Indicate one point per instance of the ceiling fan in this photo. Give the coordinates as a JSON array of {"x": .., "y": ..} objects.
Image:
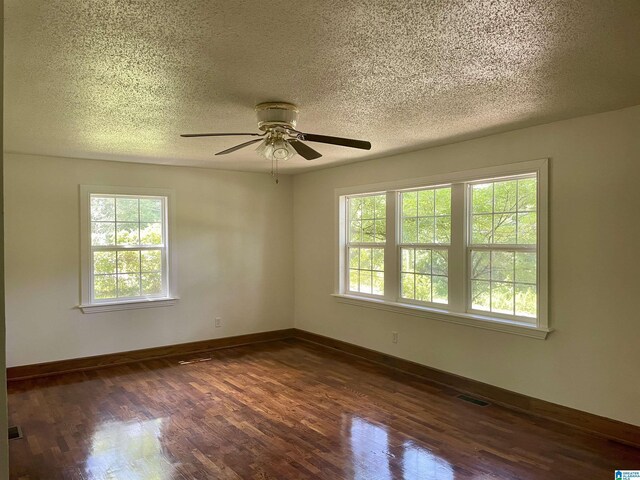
[{"x": 280, "y": 140}]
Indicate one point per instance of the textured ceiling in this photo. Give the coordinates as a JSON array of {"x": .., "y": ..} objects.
[{"x": 120, "y": 80}]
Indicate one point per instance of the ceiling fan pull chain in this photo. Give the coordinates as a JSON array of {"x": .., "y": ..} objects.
[{"x": 274, "y": 170}]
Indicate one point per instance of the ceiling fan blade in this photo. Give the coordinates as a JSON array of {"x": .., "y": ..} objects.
[
  {"x": 220, "y": 134},
  {"x": 305, "y": 151},
  {"x": 344, "y": 142},
  {"x": 238, "y": 147}
]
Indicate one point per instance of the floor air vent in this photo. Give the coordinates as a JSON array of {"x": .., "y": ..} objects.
[
  {"x": 15, "y": 432},
  {"x": 475, "y": 401}
]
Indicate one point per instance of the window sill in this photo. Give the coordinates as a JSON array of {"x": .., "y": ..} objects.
[
  {"x": 468, "y": 319},
  {"x": 128, "y": 305}
]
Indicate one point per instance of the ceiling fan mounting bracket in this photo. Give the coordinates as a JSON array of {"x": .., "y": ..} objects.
[{"x": 276, "y": 114}]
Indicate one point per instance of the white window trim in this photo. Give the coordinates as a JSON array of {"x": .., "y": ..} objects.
[
  {"x": 380, "y": 245},
  {"x": 539, "y": 330},
  {"x": 86, "y": 306}
]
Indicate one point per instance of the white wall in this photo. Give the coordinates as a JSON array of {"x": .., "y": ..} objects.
[
  {"x": 234, "y": 239},
  {"x": 591, "y": 360},
  {"x": 4, "y": 447}
]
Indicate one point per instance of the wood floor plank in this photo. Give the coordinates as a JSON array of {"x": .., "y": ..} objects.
[{"x": 284, "y": 410}]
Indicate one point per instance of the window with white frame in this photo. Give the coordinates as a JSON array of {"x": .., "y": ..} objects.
[
  {"x": 366, "y": 242},
  {"x": 502, "y": 249},
  {"x": 425, "y": 236},
  {"x": 125, "y": 246},
  {"x": 468, "y": 248}
]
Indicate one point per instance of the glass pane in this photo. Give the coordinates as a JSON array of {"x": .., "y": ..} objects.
[
  {"x": 103, "y": 233},
  {"x": 505, "y": 197},
  {"x": 104, "y": 286},
  {"x": 480, "y": 265},
  {"x": 129, "y": 262},
  {"x": 502, "y": 265},
  {"x": 151, "y": 210},
  {"x": 407, "y": 290},
  {"x": 426, "y": 230},
  {"x": 525, "y": 267},
  {"x": 502, "y": 298},
  {"x": 365, "y": 259},
  {"x": 368, "y": 231},
  {"x": 482, "y": 198},
  {"x": 443, "y": 201},
  {"x": 380, "y": 202},
  {"x": 355, "y": 231},
  {"x": 380, "y": 228},
  {"x": 504, "y": 228},
  {"x": 365, "y": 282},
  {"x": 440, "y": 289},
  {"x": 355, "y": 208},
  {"x": 480, "y": 295},
  {"x": 377, "y": 259},
  {"x": 127, "y": 233},
  {"x": 409, "y": 204},
  {"x": 423, "y": 261},
  {"x": 409, "y": 230},
  {"x": 103, "y": 208},
  {"x": 354, "y": 280},
  {"x": 151, "y": 233},
  {"x": 151, "y": 261},
  {"x": 354, "y": 258},
  {"x": 104, "y": 263},
  {"x": 151, "y": 283},
  {"x": 527, "y": 194},
  {"x": 407, "y": 259},
  {"x": 443, "y": 229},
  {"x": 423, "y": 288},
  {"x": 426, "y": 203},
  {"x": 127, "y": 210},
  {"x": 481, "y": 229},
  {"x": 129, "y": 285},
  {"x": 378, "y": 283},
  {"x": 368, "y": 207},
  {"x": 527, "y": 228},
  {"x": 440, "y": 263},
  {"x": 526, "y": 300}
]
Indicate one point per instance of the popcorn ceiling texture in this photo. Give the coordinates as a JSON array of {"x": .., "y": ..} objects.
[{"x": 120, "y": 80}]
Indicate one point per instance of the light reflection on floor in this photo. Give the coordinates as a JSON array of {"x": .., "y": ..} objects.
[
  {"x": 419, "y": 463},
  {"x": 128, "y": 451},
  {"x": 372, "y": 452}
]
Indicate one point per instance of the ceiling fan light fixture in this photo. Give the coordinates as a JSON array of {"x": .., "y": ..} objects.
[
  {"x": 278, "y": 149},
  {"x": 266, "y": 149},
  {"x": 282, "y": 150}
]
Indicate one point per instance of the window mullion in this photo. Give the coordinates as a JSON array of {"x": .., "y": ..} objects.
[
  {"x": 457, "y": 250},
  {"x": 391, "y": 252}
]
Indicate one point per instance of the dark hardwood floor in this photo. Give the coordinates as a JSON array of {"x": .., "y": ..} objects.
[{"x": 284, "y": 410}]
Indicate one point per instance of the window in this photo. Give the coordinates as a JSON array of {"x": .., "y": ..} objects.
[
  {"x": 502, "y": 249},
  {"x": 467, "y": 248},
  {"x": 366, "y": 242},
  {"x": 125, "y": 248},
  {"x": 425, "y": 236}
]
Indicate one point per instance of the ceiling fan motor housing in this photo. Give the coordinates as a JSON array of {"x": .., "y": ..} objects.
[{"x": 273, "y": 114}]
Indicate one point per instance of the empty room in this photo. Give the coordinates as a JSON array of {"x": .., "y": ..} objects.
[{"x": 320, "y": 240}]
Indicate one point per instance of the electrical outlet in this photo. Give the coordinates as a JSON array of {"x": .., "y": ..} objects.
[
  {"x": 394, "y": 337},
  {"x": 218, "y": 322}
]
